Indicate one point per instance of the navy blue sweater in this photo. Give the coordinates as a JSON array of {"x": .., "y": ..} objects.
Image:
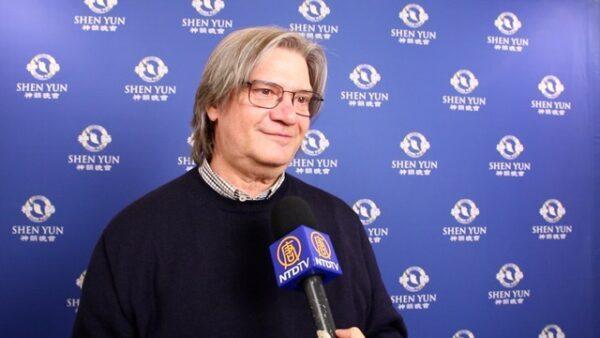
[{"x": 183, "y": 261}]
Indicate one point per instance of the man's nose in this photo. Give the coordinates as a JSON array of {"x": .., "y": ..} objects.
[{"x": 285, "y": 111}]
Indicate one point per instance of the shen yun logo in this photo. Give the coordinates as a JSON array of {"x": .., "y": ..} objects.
[
  {"x": 510, "y": 147},
  {"x": 365, "y": 77},
  {"x": 552, "y": 211},
  {"x": 509, "y": 276},
  {"x": 414, "y": 280},
  {"x": 151, "y": 69},
  {"x": 463, "y": 334},
  {"x": 552, "y": 331},
  {"x": 413, "y": 16},
  {"x": 37, "y": 209},
  {"x": 99, "y": 22},
  {"x": 101, "y": 6},
  {"x": 508, "y": 24},
  {"x": 368, "y": 212},
  {"x": 414, "y": 145},
  {"x": 551, "y": 87},
  {"x": 187, "y": 161},
  {"x": 208, "y": 7},
  {"x": 465, "y": 211},
  {"x": 464, "y": 82},
  {"x": 94, "y": 138},
  {"x": 314, "y": 144},
  {"x": 314, "y": 11},
  {"x": 42, "y": 67},
  {"x": 74, "y": 302},
  {"x": 289, "y": 251},
  {"x": 208, "y": 24}
]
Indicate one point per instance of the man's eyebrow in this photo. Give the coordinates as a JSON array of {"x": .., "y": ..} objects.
[{"x": 277, "y": 84}]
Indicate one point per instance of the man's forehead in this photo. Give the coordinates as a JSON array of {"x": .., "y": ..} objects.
[{"x": 284, "y": 67}]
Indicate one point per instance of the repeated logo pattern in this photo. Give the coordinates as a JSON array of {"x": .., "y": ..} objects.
[
  {"x": 38, "y": 208},
  {"x": 414, "y": 279},
  {"x": 361, "y": 73},
  {"x": 415, "y": 144},
  {"x": 413, "y": 15},
  {"x": 43, "y": 67}
]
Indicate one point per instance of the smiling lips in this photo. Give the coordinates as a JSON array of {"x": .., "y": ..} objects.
[{"x": 279, "y": 136}]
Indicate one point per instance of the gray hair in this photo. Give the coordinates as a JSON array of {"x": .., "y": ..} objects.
[{"x": 229, "y": 67}]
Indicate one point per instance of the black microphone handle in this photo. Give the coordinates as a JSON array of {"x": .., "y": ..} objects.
[{"x": 319, "y": 306}]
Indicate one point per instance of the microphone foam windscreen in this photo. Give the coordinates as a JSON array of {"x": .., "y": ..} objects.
[{"x": 289, "y": 213}]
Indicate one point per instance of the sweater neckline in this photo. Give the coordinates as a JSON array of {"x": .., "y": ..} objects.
[{"x": 202, "y": 191}]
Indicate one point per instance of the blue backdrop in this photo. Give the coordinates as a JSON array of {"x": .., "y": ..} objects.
[{"x": 465, "y": 134}]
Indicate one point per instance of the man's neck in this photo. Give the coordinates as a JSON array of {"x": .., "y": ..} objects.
[{"x": 252, "y": 183}]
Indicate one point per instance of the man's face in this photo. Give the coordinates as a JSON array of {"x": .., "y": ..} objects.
[{"x": 249, "y": 137}]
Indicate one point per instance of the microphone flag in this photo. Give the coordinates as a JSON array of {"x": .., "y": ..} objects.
[{"x": 302, "y": 253}]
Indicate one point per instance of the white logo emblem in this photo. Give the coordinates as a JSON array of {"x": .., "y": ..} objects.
[
  {"x": 151, "y": 69},
  {"x": 208, "y": 7},
  {"x": 101, "y": 6},
  {"x": 190, "y": 140},
  {"x": 509, "y": 275},
  {"x": 510, "y": 147},
  {"x": 365, "y": 76},
  {"x": 413, "y": 15},
  {"x": 464, "y": 334},
  {"x": 508, "y": 23},
  {"x": 314, "y": 143},
  {"x": 465, "y": 211},
  {"x": 314, "y": 10},
  {"x": 43, "y": 67},
  {"x": 464, "y": 81},
  {"x": 552, "y": 210},
  {"x": 414, "y": 279},
  {"x": 366, "y": 210},
  {"x": 552, "y": 331},
  {"x": 38, "y": 208},
  {"x": 415, "y": 144},
  {"x": 551, "y": 86},
  {"x": 94, "y": 138},
  {"x": 79, "y": 281}
]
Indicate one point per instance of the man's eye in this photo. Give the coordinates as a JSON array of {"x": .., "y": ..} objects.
[
  {"x": 265, "y": 91},
  {"x": 302, "y": 99}
]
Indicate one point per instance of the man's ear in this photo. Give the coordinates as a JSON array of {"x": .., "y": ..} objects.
[{"x": 213, "y": 113}]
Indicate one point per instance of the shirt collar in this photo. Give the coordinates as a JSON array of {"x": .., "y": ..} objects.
[{"x": 227, "y": 190}]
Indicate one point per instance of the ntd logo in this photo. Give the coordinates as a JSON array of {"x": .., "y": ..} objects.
[{"x": 288, "y": 251}]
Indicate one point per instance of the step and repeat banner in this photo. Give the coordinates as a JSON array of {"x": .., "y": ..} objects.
[{"x": 461, "y": 133}]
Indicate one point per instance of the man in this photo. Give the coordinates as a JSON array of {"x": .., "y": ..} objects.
[{"x": 191, "y": 258}]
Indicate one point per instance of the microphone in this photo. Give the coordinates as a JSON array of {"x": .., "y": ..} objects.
[{"x": 304, "y": 258}]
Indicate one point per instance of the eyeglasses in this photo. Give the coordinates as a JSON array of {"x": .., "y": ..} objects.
[{"x": 268, "y": 95}]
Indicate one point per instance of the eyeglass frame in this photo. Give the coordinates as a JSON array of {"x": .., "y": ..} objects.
[{"x": 315, "y": 96}]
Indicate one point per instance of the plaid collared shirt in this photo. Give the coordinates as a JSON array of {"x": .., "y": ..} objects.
[{"x": 225, "y": 189}]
